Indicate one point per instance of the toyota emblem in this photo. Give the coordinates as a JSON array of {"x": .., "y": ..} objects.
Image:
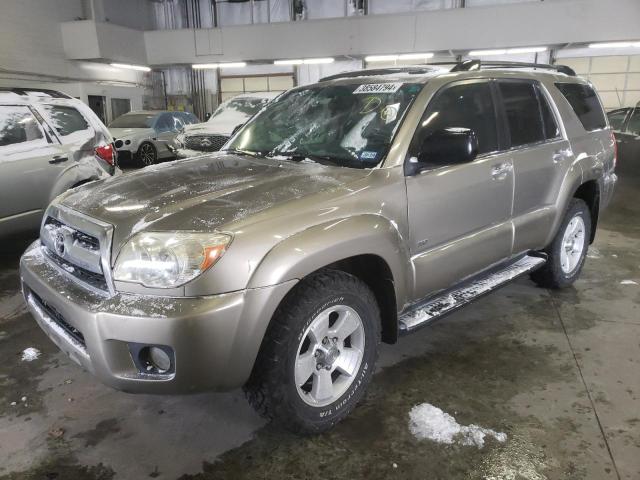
[{"x": 58, "y": 244}]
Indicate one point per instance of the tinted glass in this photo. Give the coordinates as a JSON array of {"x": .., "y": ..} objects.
[
  {"x": 522, "y": 109},
  {"x": 134, "y": 120},
  {"x": 634, "y": 122},
  {"x": 462, "y": 106},
  {"x": 349, "y": 125},
  {"x": 616, "y": 119},
  {"x": 65, "y": 120},
  {"x": 551, "y": 129},
  {"x": 165, "y": 123},
  {"x": 18, "y": 125},
  {"x": 585, "y": 103}
]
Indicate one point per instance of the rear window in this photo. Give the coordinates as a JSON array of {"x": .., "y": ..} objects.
[
  {"x": 585, "y": 103},
  {"x": 18, "y": 125},
  {"x": 66, "y": 120}
]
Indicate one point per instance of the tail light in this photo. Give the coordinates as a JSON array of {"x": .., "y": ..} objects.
[
  {"x": 615, "y": 150},
  {"x": 106, "y": 153}
]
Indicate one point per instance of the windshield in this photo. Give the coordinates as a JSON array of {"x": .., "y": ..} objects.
[
  {"x": 134, "y": 120},
  {"x": 346, "y": 125},
  {"x": 239, "y": 108}
]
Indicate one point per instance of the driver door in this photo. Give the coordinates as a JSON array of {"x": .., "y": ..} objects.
[{"x": 460, "y": 214}]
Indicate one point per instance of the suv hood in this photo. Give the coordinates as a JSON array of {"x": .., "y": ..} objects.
[
  {"x": 203, "y": 194},
  {"x": 130, "y": 132},
  {"x": 223, "y": 126}
]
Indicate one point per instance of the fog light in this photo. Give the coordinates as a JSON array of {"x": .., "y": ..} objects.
[
  {"x": 159, "y": 359},
  {"x": 127, "y": 142}
]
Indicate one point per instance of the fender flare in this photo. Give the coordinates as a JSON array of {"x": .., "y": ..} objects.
[{"x": 316, "y": 247}]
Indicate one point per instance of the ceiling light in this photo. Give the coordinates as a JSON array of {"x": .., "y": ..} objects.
[
  {"x": 615, "y": 45},
  {"x": 415, "y": 56},
  {"x": 315, "y": 61},
  {"x": 483, "y": 53},
  {"x": 288, "y": 62},
  {"x": 202, "y": 66},
  {"x": 381, "y": 58},
  {"x": 140, "y": 68},
  {"x": 232, "y": 65}
]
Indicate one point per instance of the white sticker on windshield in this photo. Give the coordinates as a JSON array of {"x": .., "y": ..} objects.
[{"x": 378, "y": 88}]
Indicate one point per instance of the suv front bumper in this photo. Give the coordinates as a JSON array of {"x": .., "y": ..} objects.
[{"x": 214, "y": 339}]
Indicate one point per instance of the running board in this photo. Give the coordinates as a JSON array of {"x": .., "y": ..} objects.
[{"x": 457, "y": 297}]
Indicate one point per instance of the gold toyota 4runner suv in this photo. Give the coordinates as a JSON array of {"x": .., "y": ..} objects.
[{"x": 343, "y": 214}]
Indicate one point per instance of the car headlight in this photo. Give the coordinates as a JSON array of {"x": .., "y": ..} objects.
[
  {"x": 179, "y": 140},
  {"x": 169, "y": 259}
]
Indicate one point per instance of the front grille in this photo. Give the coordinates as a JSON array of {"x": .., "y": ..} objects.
[
  {"x": 57, "y": 317},
  {"x": 75, "y": 252},
  {"x": 205, "y": 143}
]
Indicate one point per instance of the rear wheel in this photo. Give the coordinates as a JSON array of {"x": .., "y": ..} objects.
[
  {"x": 318, "y": 355},
  {"x": 568, "y": 250},
  {"x": 147, "y": 154}
]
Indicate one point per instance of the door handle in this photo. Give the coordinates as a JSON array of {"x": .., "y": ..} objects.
[
  {"x": 58, "y": 159},
  {"x": 500, "y": 171}
]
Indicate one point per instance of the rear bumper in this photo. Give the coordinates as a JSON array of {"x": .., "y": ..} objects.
[{"x": 214, "y": 339}]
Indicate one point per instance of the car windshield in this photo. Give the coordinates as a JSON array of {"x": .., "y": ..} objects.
[
  {"x": 350, "y": 125},
  {"x": 239, "y": 107},
  {"x": 134, "y": 120}
]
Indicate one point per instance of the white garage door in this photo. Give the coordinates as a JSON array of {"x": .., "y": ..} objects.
[
  {"x": 617, "y": 78},
  {"x": 235, "y": 85}
]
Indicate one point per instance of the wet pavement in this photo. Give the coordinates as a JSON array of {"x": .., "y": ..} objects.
[{"x": 558, "y": 372}]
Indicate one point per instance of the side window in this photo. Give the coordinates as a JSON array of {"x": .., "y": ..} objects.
[
  {"x": 165, "y": 123},
  {"x": 616, "y": 119},
  {"x": 551, "y": 129},
  {"x": 524, "y": 116},
  {"x": 19, "y": 125},
  {"x": 634, "y": 122},
  {"x": 467, "y": 105},
  {"x": 65, "y": 120},
  {"x": 585, "y": 103},
  {"x": 178, "y": 122}
]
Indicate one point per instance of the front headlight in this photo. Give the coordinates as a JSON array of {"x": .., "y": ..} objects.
[
  {"x": 179, "y": 140},
  {"x": 168, "y": 259}
]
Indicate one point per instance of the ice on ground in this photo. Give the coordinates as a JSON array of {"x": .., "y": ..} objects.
[
  {"x": 593, "y": 253},
  {"x": 628, "y": 282},
  {"x": 429, "y": 422},
  {"x": 30, "y": 354}
]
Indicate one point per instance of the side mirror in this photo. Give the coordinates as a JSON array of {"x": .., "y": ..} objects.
[{"x": 449, "y": 146}]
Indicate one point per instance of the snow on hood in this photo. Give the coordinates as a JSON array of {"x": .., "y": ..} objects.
[
  {"x": 119, "y": 133},
  {"x": 205, "y": 193},
  {"x": 220, "y": 125}
]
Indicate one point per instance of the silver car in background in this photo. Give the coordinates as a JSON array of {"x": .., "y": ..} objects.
[
  {"x": 211, "y": 135},
  {"x": 49, "y": 142},
  {"x": 146, "y": 136}
]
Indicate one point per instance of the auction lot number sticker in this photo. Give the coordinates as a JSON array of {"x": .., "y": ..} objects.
[{"x": 378, "y": 88}]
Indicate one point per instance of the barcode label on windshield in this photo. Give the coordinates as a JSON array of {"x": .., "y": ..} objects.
[{"x": 378, "y": 88}]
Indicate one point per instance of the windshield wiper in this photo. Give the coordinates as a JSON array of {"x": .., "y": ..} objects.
[
  {"x": 239, "y": 151},
  {"x": 301, "y": 157}
]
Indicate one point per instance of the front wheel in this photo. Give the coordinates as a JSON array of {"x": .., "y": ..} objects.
[
  {"x": 318, "y": 355},
  {"x": 568, "y": 250},
  {"x": 147, "y": 154}
]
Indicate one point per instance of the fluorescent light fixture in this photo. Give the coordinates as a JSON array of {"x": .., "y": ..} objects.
[
  {"x": 288, "y": 62},
  {"x": 381, "y": 58},
  {"x": 140, "y": 68},
  {"x": 483, "y": 53},
  {"x": 615, "y": 45},
  {"x": 527, "y": 50},
  {"x": 232, "y": 65},
  {"x": 203, "y": 66},
  {"x": 415, "y": 56},
  {"x": 316, "y": 61}
]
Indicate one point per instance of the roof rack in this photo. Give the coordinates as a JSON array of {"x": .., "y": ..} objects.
[
  {"x": 469, "y": 65},
  {"x": 26, "y": 91},
  {"x": 413, "y": 70}
]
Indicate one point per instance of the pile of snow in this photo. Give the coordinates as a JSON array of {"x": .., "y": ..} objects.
[
  {"x": 429, "y": 422},
  {"x": 30, "y": 354},
  {"x": 628, "y": 282}
]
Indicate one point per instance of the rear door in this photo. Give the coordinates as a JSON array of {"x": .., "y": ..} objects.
[
  {"x": 28, "y": 160},
  {"x": 460, "y": 215},
  {"x": 541, "y": 157}
]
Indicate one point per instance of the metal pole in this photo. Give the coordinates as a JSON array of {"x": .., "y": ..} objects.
[
  {"x": 164, "y": 88},
  {"x": 268, "y": 11},
  {"x": 252, "y": 6}
]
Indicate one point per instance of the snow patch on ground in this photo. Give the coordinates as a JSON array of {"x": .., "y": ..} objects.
[
  {"x": 593, "y": 253},
  {"x": 628, "y": 282},
  {"x": 30, "y": 354},
  {"x": 431, "y": 423}
]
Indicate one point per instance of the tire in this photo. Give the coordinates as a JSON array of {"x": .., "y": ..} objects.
[
  {"x": 303, "y": 407},
  {"x": 147, "y": 154},
  {"x": 561, "y": 271}
]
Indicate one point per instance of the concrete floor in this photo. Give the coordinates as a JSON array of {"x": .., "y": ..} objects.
[{"x": 558, "y": 372}]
